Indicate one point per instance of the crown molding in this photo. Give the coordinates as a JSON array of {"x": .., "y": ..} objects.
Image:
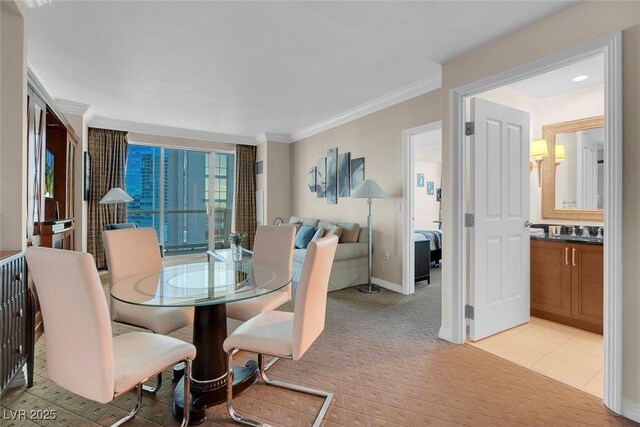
[
  {"x": 279, "y": 137},
  {"x": 78, "y": 108},
  {"x": 420, "y": 87},
  {"x": 32, "y": 4},
  {"x": 263, "y": 137},
  {"x": 151, "y": 129}
]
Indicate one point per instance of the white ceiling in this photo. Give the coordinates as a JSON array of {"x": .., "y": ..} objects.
[
  {"x": 560, "y": 81},
  {"x": 245, "y": 68}
]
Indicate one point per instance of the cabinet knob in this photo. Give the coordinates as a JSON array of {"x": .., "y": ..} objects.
[{"x": 19, "y": 313}]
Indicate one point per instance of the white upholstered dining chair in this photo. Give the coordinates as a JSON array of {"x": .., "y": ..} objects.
[
  {"x": 133, "y": 251},
  {"x": 273, "y": 246},
  {"x": 285, "y": 334},
  {"x": 82, "y": 354}
]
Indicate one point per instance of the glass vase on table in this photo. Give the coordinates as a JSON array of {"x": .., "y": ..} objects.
[
  {"x": 236, "y": 252},
  {"x": 235, "y": 240}
]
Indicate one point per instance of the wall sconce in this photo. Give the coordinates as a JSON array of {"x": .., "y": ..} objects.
[
  {"x": 560, "y": 156},
  {"x": 537, "y": 152}
]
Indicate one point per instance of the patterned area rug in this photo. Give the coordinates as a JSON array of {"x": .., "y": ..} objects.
[{"x": 381, "y": 356}]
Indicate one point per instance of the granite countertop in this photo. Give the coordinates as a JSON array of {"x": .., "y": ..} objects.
[{"x": 566, "y": 238}]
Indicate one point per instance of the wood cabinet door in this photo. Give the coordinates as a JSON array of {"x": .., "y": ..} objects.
[
  {"x": 588, "y": 283},
  {"x": 551, "y": 277}
]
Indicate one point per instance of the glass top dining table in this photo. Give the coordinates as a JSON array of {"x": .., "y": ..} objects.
[
  {"x": 199, "y": 284},
  {"x": 208, "y": 287}
]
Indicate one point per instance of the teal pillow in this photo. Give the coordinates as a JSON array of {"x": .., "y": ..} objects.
[
  {"x": 319, "y": 233},
  {"x": 304, "y": 236}
]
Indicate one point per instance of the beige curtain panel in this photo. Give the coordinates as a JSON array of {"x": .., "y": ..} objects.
[
  {"x": 108, "y": 151},
  {"x": 245, "y": 197}
]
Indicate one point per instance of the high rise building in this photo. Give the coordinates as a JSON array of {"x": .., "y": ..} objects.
[{"x": 185, "y": 196}]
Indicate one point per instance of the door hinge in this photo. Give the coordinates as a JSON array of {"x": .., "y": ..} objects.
[
  {"x": 469, "y": 220},
  {"x": 469, "y": 128},
  {"x": 468, "y": 312}
]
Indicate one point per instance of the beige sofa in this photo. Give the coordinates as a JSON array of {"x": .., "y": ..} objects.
[{"x": 350, "y": 262}]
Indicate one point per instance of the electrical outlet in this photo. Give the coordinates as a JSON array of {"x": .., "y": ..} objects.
[{"x": 387, "y": 255}]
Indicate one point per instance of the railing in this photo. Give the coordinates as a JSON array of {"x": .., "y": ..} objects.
[{"x": 184, "y": 244}]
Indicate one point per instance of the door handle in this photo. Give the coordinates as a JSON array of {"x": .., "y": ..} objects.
[
  {"x": 566, "y": 256},
  {"x": 527, "y": 224},
  {"x": 573, "y": 257}
]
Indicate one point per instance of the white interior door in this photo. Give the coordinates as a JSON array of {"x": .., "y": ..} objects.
[{"x": 499, "y": 259}]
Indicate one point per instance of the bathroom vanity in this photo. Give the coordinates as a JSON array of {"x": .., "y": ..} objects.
[{"x": 567, "y": 278}]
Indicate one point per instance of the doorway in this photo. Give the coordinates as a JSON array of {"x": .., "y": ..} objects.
[
  {"x": 422, "y": 219},
  {"x": 612, "y": 320}
]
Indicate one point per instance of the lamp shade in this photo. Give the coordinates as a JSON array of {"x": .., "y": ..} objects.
[
  {"x": 369, "y": 188},
  {"x": 538, "y": 149},
  {"x": 115, "y": 195},
  {"x": 560, "y": 155}
]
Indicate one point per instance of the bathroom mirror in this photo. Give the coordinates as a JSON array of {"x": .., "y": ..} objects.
[{"x": 573, "y": 171}]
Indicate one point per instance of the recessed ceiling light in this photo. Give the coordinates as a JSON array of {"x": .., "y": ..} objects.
[{"x": 579, "y": 78}]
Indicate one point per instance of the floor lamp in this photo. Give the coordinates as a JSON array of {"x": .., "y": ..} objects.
[
  {"x": 369, "y": 189},
  {"x": 113, "y": 197}
]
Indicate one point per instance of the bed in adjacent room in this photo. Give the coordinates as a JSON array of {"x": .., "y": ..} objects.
[{"x": 435, "y": 236}]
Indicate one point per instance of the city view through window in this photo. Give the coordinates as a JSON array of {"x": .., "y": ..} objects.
[{"x": 171, "y": 192}]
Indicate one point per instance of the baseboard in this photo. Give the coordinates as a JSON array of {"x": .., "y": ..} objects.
[
  {"x": 631, "y": 410},
  {"x": 444, "y": 334},
  {"x": 387, "y": 285}
]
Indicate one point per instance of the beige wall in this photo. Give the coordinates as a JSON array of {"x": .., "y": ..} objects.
[
  {"x": 275, "y": 180},
  {"x": 13, "y": 125},
  {"x": 577, "y": 25},
  {"x": 427, "y": 209},
  {"x": 278, "y": 195},
  {"x": 79, "y": 125},
  {"x": 378, "y": 138},
  {"x": 261, "y": 181}
]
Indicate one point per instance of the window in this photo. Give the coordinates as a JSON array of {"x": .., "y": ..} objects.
[{"x": 171, "y": 192}]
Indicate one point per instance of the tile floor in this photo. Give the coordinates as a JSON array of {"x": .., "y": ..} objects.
[
  {"x": 381, "y": 356},
  {"x": 566, "y": 354}
]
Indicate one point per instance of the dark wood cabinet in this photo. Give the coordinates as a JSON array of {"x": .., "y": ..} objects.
[
  {"x": 587, "y": 283},
  {"x": 16, "y": 319},
  {"x": 567, "y": 283},
  {"x": 550, "y": 277},
  {"x": 51, "y": 145},
  {"x": 423, "y": 260},
  {"x": 51, "y": 171}
]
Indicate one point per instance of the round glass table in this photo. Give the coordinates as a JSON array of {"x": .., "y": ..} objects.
[{"x": 207, "y": 286}]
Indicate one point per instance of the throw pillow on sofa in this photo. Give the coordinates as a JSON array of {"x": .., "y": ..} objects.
[
  {"x": 334, "y": 230},
  {"x": 304, "y": 236},
  {"x": 319, "y": 234}
]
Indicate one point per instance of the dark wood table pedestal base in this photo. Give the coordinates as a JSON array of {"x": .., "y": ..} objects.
[
  {"x": 243, "y": 379},
  {"x": 209, "y": 382}
]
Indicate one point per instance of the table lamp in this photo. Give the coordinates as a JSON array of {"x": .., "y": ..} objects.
[{"x": 369, "y": 189}]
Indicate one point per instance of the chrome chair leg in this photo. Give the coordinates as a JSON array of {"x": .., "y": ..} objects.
[
  {"x": 271, "y": 362},
  {"x": 187, "y": 393},
  {"x": 328, "y": 396},
  {"x": 153, "y": 390},
  {"x": 230, "y": 410},
  {"x": 135, "y": 409}
]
